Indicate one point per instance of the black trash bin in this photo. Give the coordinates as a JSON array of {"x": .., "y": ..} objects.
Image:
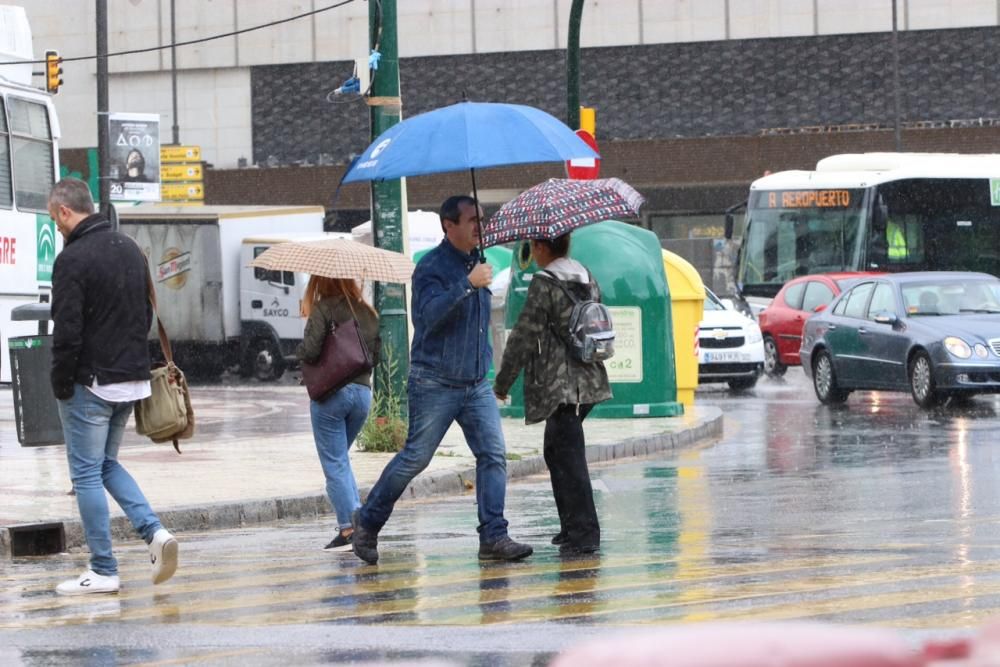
[{"x": 36, "y": 412}]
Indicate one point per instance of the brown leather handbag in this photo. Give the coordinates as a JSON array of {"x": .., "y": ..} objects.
[
  {"x": 345, "y": 355},
  {"x": 166, "y": 414}
]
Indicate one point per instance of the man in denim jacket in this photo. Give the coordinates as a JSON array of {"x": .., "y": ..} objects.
[{"x": 449, "y": 359}]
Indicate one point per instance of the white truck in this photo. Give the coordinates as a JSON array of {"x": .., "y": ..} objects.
[{"x": 218, "y": 311}]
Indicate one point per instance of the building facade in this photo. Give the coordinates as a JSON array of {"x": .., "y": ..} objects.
[{"x": 694, "y": 99}]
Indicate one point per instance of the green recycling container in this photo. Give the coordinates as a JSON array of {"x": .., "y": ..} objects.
[{"x": 627, "y": 263}]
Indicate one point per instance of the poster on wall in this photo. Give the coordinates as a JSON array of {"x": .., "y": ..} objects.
[{"x": 134, "y": 171}]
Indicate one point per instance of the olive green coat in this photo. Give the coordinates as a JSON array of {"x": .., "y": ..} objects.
[
  {"x": 336, "y": 309},
  {"x": 552, "y": 377}
]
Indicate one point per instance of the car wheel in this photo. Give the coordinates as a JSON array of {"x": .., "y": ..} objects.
[
  {"x": 742, "y": 384},
  {"x": 825, "y": 380},
  {"x": 922, "y": 381},
  {"x": 772, "y": 361},
  {"x": 266, "y": 360}
]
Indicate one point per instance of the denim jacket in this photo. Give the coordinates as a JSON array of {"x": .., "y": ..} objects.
[{"x": 451, "y": 319}]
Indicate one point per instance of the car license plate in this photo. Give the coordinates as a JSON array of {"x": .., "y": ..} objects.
[{"x": 723, "y": 357}]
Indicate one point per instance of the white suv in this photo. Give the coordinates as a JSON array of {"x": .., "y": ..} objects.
[{"x": 730, "y": 347}]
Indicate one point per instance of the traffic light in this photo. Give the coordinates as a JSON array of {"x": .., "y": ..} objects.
[{"x": 53, "y": 71}]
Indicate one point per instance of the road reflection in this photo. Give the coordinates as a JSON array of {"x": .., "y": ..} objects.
[{"x": 875, "y": 512}]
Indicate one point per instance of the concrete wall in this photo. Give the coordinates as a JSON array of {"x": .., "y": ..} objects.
[
  {"x": 214, "y": 81},
  {"x": 721, "y": 88}
]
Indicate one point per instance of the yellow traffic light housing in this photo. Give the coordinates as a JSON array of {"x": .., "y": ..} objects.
[
  {"x": 53, "y": 71},
  {"x": 588, "y": 120}
]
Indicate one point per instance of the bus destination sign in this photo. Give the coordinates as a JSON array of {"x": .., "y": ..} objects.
[{"x": 809, "y": 199}]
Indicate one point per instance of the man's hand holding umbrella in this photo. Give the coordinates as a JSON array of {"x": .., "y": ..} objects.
[{"x": 481, "y": 275}]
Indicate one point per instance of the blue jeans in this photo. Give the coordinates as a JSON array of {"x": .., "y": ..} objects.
[
  {"x": 93, "y": 429},
  {"x": 433, "y": 407},
  {"x": 336, "y": 422}
]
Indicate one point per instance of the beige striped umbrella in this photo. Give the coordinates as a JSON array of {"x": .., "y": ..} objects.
[{"x": 337, "y": 258}]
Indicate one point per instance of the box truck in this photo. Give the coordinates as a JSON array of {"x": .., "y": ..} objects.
[{"x": 218, "y": 311}]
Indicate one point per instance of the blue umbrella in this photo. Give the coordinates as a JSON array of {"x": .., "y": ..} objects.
[{"x": 467, "y": 135}]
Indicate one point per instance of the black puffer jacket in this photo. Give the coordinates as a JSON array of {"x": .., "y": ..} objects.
[{"x": 100, "y": 309}]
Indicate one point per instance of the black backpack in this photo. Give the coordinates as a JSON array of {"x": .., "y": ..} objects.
[{"x": 591, "y": 333}]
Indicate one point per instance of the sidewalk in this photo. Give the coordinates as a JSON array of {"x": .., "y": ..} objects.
[{"x": 253, "y": 460}]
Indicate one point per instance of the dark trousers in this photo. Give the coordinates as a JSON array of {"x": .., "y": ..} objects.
[{"x": 567, "y": 463}]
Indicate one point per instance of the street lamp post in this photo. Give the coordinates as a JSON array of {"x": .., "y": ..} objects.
[
  {"x": 387, "y": 196},
  {"x": 173, "y": 71},
  {"x": 895, "y": 79},
  {"x": 103, "y": 138},
  {"x": 573, "y": 66}
]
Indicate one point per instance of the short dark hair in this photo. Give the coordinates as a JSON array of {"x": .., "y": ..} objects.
[
  {"x": 559, "y": 246},
  {"x": 74, "y": 194},
  {"x": 451, "y": 208}
]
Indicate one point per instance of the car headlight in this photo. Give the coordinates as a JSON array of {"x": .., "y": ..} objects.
[
  {"x": 981, "y": 351},
  {"x": 957, "y": 347},
  {"x": 754, "y": 336}
]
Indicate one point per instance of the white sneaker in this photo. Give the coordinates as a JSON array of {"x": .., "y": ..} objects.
[
  {"x": 163, "y": 555},
  {"x": 89, "y": 582}
]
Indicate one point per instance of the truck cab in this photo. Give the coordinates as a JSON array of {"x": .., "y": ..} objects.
[{"x": 271, "y": 319}]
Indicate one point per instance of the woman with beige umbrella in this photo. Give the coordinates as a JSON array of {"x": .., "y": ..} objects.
[
  {"x": 333, "y": 297},
  {"x": 338, "y": 417}
]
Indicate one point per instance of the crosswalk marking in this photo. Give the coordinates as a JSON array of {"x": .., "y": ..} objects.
[{"x": 614, "y": 588}]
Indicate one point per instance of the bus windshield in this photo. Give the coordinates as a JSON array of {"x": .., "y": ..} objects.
[
  {"x": 935, "y": 225},
  {"x": 799, "y": 232}
]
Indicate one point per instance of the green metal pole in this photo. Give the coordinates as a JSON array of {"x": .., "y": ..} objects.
[
  {"x": 573, "y": 66},
  {"x": 387, "y": 197}
]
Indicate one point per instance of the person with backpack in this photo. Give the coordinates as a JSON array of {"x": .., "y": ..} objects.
[{"x": 560, "y": 340}]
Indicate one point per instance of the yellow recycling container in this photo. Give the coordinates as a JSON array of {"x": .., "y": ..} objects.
[{"x": 687, "y": 302}]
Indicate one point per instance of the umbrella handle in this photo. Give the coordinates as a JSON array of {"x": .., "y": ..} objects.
[{"x": 480, "y": 250}]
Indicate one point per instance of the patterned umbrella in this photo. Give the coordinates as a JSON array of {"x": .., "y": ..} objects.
[
  {"x": 560, "y": 205},
  {"x": 337, "y": 258}
]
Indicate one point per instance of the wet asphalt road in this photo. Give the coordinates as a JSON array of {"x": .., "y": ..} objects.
[{"x": 875, "y": 513}]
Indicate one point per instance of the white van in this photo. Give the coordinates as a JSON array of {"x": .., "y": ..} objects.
[{"x": 730, "y": 346}]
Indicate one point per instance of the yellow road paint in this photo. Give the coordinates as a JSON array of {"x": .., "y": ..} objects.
[
  {"x": 459, "y": 591},
  {"x": 602, "y": 584},
  {"x": 967, "y": 618}
]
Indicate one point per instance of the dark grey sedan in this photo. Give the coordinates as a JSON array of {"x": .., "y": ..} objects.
[{"x": 934, "y": 334}]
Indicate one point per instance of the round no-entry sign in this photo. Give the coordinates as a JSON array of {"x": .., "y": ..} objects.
[{"x": 584, "y": 169}]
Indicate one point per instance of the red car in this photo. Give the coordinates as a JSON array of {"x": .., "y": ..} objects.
[{"x": 781, "y": 322}]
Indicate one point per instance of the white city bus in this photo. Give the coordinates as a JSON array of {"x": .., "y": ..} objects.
[
  {"x": 871, "y": 212},
  {"x": 29, "y": 162}
]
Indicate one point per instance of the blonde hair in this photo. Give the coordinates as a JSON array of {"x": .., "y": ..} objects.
[{"x": 320, "y": 287}]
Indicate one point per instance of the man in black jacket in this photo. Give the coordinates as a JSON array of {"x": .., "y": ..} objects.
[{"x": 100, "y": 367}]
